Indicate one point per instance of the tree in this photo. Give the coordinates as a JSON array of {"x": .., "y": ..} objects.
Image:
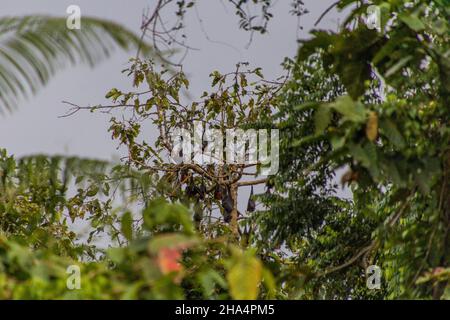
[
  {"x": 37, "y": 245},
  {"x": 239, "y": 99},
  {"x": 390, "y": 129}
]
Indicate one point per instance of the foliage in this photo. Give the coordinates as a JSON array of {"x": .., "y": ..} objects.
[
  {"x": 239, "y": 100},
  {"x": 372, "y": 104},
  {"x": 34, "y": 256},
  {"x": 390, "y": 129}
]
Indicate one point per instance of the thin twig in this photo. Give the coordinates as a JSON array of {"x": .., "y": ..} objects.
[{"x": 326, "y": 12}]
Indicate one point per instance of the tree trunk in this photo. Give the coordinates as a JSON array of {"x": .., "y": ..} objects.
[{"x": 234, "y": 212}]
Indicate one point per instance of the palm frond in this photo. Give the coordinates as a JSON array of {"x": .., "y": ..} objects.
[
  {"x": 33, "y": 48},
  {"x": 72, "y": 170}
]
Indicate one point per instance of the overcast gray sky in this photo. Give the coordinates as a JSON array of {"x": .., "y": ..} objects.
[{"x": 35, "y": 126}]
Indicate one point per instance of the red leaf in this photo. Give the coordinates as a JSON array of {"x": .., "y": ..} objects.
[{"x": 168, "y": 260}]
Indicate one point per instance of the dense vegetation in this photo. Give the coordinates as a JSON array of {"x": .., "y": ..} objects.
[{"x": 371, "y": 103}]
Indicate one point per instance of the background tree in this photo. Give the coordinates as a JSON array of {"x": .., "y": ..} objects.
[
  {"x": 390, "y": 128},
  {"x": 238, "y": 100}
]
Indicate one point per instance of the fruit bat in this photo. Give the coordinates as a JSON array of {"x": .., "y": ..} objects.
[
  {"x": 251, "y": 205},
  {"x": 198, "y": 213},
  {"x": 269, "y": 186},
  {"x": 183, "y": 176},
  {"x": 227, "y": 203},
  {"x": 191, "y": 189},
  {"x": 218, "y": 192},
  {"x": 202, "y": 190}
]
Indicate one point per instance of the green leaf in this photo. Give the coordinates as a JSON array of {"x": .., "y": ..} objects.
[
  {"x": 367, "y": 156},
  {"x": 322, "y": 118},
  {"x": 208, "y": 280},
  {"x": 396, "y": 67},
  {"x": 389, "y": 129},
  {"x": 172, "y": 240},
  {"x": 425, "y": 176},
  {"x": 353, "y": 75},
  {"x": 127, "y": 225},
  {"x": 92, "y": 191},
  {"x": 412, "y": 21},
  {"x": 269, "y": 283},
  {"x": 307, "y": 106},
  {"x": 258, "y": 72},
  {"x": 321, "y": 39},
  {"x": 349, "y": 109},
  {"x": 117, "y": 255},
  {"x": 337, "y": 142},
  {"x": 360, "y": 155},
  {"x": 167, "y": 216},
  {"x": 244, "y": 277},
  {"x": 393, "y": 174}
]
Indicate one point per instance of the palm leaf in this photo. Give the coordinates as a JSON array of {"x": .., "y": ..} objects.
[
  {"x": 33, "y": 48},
  {"x": 70, "y": 170}
]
